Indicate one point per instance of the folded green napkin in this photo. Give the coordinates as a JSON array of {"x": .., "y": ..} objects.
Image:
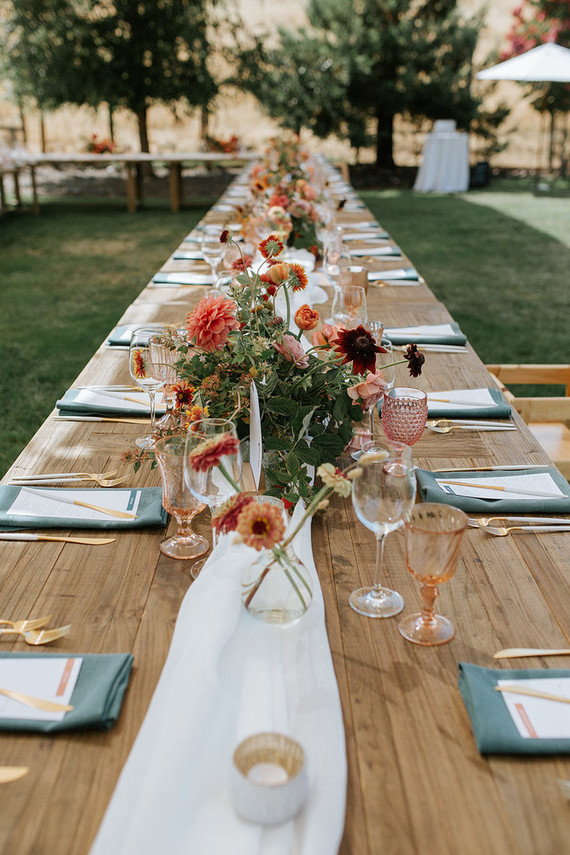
[
  {"x": 493, "y": 728},
  {"x": 450, "y": 411},
  {"x": 405, "y": 273},
  {"x": 432, "y": 492},
  {"x": 97, "y": 697},
  {"x": 149, "y": 512},
  {"x": 104, "y": 406},
  {"x": 457, "y": 337},
  {"x": 117, "y": 336}
]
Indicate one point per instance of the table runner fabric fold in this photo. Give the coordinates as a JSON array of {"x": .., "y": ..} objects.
[
  {"x": 149, "y": 512},
  {"x": 226, "y": 677},
  {"x": 97, "y": 696},
  {"x": 493, "y": 727},
  {"x": 430, "y": 491}
]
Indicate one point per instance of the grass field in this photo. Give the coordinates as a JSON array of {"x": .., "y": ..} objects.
[{"x": 499, "y": 259}]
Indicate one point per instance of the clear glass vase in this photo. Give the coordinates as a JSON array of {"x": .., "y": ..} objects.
[{"x": 276, "y": 588}]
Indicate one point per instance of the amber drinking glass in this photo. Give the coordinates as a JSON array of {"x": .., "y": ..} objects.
[
  {"x": 178, "y": 500},
  {"x": 433, "y": 535}
]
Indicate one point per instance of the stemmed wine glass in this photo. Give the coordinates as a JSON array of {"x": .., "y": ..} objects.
[
  {"x": 349, "y": 308},
  {"x": 433, "y": 535},
  {"x": 178, "y": 500},
  {"x": 142, "y": 371},
  {"x": 211, "y": 484},
  {"x": 404, "y": 416},
  {"x": 213, "y": 251},
  {"x": 164, "y": 358},
  {"x": 382, "y": 494}
]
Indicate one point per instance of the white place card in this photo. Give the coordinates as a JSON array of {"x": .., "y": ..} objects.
[
  {"x": 538, "y": 718},
  {"x": 119, "y": 400},
  {"x": 30, "y": 502},
  {"x": 466, "y": 399},
  {"x": 540, "y": 485},
  {"x": 48, "y": 678}
]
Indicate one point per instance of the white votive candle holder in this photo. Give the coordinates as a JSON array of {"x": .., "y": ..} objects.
[{"x": 268, "y": 778}]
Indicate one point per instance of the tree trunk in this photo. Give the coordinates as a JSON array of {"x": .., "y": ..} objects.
[
  {"x": 143, "y": 129},
  {"x": 384, "y": 139},
  {"x": 43, "y": 131},
  {"x": 204, "y": 119},
  {"x": 111, "y": 123},
  {"x": 551, "y": 143},
  {"x": 23, "y": 124}
]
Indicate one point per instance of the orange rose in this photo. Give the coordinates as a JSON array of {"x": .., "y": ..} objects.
[
  {"x": 279, "y": 272},
  {"x": 306, "y": 318}
]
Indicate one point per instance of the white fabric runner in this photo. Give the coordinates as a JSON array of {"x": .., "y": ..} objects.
[{"x": 228, "y": 676}]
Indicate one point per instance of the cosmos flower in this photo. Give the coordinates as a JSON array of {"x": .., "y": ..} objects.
[
  {"x": 261, "y": 525},
  {"x": 297, "y": 277},
  {"x": 357, "y": 346},
  {"x": 139, "y": 364},
  {"x": 415, "y": 360},
  {"x": 225, "y": 518},
  {"x": 183, "y": 394},
  {"x": 271, "y": 247}
]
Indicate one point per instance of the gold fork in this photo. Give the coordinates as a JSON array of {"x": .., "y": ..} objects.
[
  {"x": 502, "y": 531},
  {"x": 41, "y": 636},
  {"x": 38, "y": 703},
  {"x": 23, "y": 625}
]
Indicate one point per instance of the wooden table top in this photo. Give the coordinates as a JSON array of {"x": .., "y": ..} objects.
[{"x": 416, "y": 782}]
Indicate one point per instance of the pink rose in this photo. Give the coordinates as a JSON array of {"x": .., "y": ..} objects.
[
  {"x": 369, "y": 391},
  {"x": 292, "y": 351}
]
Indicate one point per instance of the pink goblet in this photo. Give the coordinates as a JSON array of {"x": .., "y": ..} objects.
[{"x": 404, "y": 415}]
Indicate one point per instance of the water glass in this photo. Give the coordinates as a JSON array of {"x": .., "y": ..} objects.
[
  {"x": 143, "y": 373},
  {"x": 349, "y": 307}
]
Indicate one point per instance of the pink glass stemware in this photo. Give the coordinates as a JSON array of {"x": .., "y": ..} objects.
[{"x": 404, "y": 414}]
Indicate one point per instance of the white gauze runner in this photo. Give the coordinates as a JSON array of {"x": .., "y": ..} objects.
[{"x": 226, "y": 677}]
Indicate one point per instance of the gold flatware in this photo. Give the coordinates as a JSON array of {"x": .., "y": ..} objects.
[
  {"x": 503, "y": 531},
  {"x": 481, "y": 428},
  {"x": 25, "y": 536},
  {"x": 434, "y": 400},
  {"x": 58, "y": 498},
  {"x": 36, "y": 637},
  {"x": 483, "y": 522},
  {"x": 507, "y": 468},
  {"x": 65, "y": 476},
  {"x": 100, "y": 482},
  {"x": 23, "y": 625},
  {"x": 37, "y": 703},
  {"x": 12, "y": 773},
  {"x": 533, "y": 493},
  {"x": 520, "y": 652},
  {"x": 470, "y": 422},
  {"x": 532, "y": 693}
]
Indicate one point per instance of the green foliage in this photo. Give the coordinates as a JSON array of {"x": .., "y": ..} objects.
[
  {"x": 130, "y": 53},
  {"x": 363, "y": 61}
]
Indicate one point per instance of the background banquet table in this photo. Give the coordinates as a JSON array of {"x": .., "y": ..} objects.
[{"x": 416, "y": 781}]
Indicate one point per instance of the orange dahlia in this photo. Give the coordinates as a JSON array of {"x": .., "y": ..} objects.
[{"x": 211, "y": 322}]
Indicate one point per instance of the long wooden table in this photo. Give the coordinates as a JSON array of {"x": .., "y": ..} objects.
[{"x": 417, "y": 783}]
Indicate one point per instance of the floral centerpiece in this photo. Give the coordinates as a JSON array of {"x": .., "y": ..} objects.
[
  {"x": 306, "y": 393},
  {"x": 97, "y": 146}
]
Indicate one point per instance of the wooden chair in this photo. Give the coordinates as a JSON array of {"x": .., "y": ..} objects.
[{"x": 548, "y": 418}]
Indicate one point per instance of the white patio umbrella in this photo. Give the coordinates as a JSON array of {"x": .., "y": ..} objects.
[{"x": 549, "y": 63}]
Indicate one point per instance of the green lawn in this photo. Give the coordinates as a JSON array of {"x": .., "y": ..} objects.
[{"x": 499, "y": 259}]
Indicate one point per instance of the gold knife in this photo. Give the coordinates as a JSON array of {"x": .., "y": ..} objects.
[
  {"x": 37, "y": 703},
  {"x": 532, "y": 693},
  {"x": 110, "y": 511}
]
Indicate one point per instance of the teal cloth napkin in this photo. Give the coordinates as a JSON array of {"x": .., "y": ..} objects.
[
  {"x": 501, "y": 411},
  {"x": 96, "y": 699},
  {"x": 457, "y": 337},
  {"x": 116, "y": 336},
  {"x": 150, "y": 511},
  {"x": 408, "y": 273},
  {"x": 432, "y": 492},
  {"x": 68, "y": 405},
  {"x": 493, "y": 728}
]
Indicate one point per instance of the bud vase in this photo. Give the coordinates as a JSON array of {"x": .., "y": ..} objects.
[{"x": 276, "y": 588}]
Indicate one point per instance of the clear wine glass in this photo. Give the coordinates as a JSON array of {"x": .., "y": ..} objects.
[
  {"x": 382, "y": 494},
  {"x": 349, "y": 308},
  {"x": 433, "y": 535},
  {"x": 208, "y": 483},
  {"x": 164, "y": 359},
  {"x": 388, "y": 374},
  {"x": 213, "y": 251},
  {"x": 143, "y": 373},
  {"x": 404, "y": 415},
  {"x": 178, "y": 500}
]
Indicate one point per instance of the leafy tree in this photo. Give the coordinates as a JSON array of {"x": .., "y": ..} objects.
[
  {"x": 536, "y": 22},
  {"x": 128, "y": 53},
  {"x": 361, "y": 62}
]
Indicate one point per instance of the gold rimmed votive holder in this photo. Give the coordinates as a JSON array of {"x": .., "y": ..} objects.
[{"x": 268, "y": 778}]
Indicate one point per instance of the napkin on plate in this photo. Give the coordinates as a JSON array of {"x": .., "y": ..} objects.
[
  {"x": 394, "y": 273},
  {"x": 171, "y": 280},
  {"x": 497, "y": 408},
  {"x": 494, "y": 730},
  {"x": 98, "y": 402},
  {"x": 431, "y": 491},
  {"x": 97, "y": 696},
  {"x": 425, "y": 333},
  {"x": 149, "y": 510}
]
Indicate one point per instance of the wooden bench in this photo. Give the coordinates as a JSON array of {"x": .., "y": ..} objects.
[{"x": 548, "y": 418}]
